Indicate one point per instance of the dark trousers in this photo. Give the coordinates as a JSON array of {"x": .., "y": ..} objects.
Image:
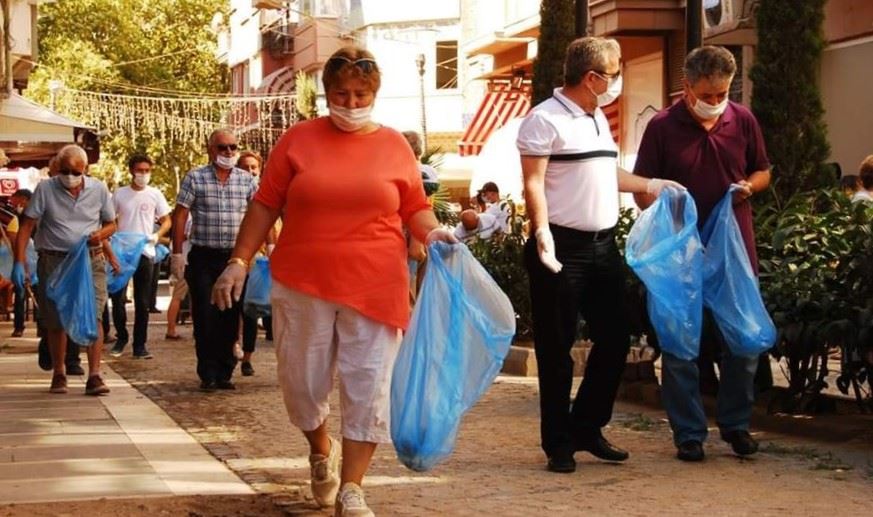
[
  {"x": 250, "y": 328},
  {"x": 142, "y": 288},
  {"x": 119, "y": 318},
  {"x": 591, "y": 283},
  {"x": 18, "y": 308},
  {"x": 153, "y": 285},
  {"x": 215, "y": 331}
]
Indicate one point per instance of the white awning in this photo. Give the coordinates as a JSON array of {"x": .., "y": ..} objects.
[{"x": 22, "y": 120}]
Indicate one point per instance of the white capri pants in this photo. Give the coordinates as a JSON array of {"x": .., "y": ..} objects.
[{"x": 315, "y": 339}]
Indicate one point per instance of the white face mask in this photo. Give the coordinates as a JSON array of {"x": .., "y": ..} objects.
[
  {"x": 350, "y": 119},
  {"x": 142, "y": 180},
  {"x": 613, "y": 90},
  {"x": 70, "y": 181},
  {"x": 708, "y": 111},
  {"x": 226, "y": 162},
  {"x": 19, "y": 209}
]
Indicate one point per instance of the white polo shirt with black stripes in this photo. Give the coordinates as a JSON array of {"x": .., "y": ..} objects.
[{"x": 581, "y": 183}]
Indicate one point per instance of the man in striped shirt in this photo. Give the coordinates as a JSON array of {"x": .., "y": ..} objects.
[
  {"x": 571, "y": 184},
  {"x": 216, "y": 195}
]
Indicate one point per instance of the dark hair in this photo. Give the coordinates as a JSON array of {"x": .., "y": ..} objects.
[
  {"x": 849, "y": 182},
  {"x": 866, "y": 172},
  {"x": 709, "y": 62},
  {"x": 23, "y": 192},
  {"x": 490, "y": 187},
  {"x": 138, "y": 158}
]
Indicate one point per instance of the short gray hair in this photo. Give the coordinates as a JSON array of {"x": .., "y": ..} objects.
[
  {"x": 71, "y": 152},
  {"x": 587, "y": 54},
  {"x": 219, "y": 131},
  {"x": 709, "y": 62}
]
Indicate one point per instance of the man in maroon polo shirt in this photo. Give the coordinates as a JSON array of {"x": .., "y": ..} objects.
[{"x": 708, "y": 143}]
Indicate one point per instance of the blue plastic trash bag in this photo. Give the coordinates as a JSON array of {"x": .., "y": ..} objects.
[
  {"x": 730, "y": 287},
  {"x": 459, "y": 335},
  {"x": 161, "y": 252},
  {"x": 71, "y": 288},
  {"x": 7, "y": 260},
  {"x": 256, "y": 303},
  {"x": 664, "y": 250},
  {"x": 127, "y": 247}
]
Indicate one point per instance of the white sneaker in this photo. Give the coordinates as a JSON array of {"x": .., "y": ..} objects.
[
  {"x": 324, "y": 475},
  {"x": 350, "y": 502}
]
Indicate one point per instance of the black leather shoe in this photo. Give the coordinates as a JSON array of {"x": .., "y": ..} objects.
[
  {"x": 562, "y": 463},
  {"x": 741, "y": 442},
  {"x": 226, "y": 385},
  {"x": 692, "y": 450},
  {"x": 246, "y": 369},
  {"x": 208, "y": 386},
  {"x": 601, "y": 448}
]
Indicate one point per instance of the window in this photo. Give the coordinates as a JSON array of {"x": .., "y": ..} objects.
[
  {"x": 446, "y": 65},
  {"x": 239, "y": 77}
]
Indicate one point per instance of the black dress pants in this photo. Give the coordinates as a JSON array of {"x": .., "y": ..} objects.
[
  {"x": 215, "y": 331},
  {"x": 591, "y": 284}
]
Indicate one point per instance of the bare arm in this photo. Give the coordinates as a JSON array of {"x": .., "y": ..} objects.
[
  {"x": 256, "y": 224},
  {"x": 25, "y": 230},
  {"x": 756, "y": 182},
  {"x": 533, "y": 169},
  {"x": 422, "y": 223},
  {"x": 102, "y": 234},
  {"x": 166, "y": 224},
  {"x": 180, "y": 217}
]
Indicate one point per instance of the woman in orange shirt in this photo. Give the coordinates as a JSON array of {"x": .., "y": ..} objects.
[{"x": 346, "y": 186}]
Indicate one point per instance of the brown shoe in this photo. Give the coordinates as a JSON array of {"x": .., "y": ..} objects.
[
  {"x": 59, "y": 383},
  {"x": 96, "y": 386},
  {"x": 17, "y": 332}
]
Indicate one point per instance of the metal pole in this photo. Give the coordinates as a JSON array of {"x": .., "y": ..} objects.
[
  {"x": 693, "y": 24},
  {"x": 420, "y": 62},
  {"x": 581, "y": 18}
]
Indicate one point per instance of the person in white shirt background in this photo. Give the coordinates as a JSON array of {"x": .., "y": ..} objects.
[
  {"x": 865, "y": 191},
  {"x": 137, "y": 207}
]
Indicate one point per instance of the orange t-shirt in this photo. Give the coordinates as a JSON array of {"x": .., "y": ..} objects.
[{"x": 345, "y": 197}]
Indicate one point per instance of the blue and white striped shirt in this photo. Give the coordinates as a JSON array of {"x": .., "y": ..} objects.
[{"x": 216, "y": 209}]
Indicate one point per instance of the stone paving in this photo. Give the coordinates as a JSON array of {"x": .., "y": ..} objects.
[{"x": 497, "y": 467}]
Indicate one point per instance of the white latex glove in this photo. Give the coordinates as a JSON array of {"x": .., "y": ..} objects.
[
  {"x": 153, "y": 238},
  {"x": 655, "y": 186},
  {"x": 270, "y": 248},
  {"x": 177, "y": 266},
  {"x": 440, "y": 234},
  {"x": 546, "y": 250},
  {"x": 229, "y": 286}
]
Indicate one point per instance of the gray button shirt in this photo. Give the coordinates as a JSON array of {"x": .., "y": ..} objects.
[{"x": 64, "y": 219}]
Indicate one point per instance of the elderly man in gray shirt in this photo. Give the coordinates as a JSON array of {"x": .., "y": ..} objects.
[{"x": 67, "y": 208}]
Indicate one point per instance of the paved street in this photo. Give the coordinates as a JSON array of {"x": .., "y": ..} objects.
[{"x": 497, "y": 467}]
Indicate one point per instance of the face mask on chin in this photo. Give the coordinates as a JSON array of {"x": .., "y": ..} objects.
[
  {"x": 141, "y": 180},
  {"x": 225, "y": 162},
  {"x": 350, "y": 119},
  {"x": 70, "y": 181}
]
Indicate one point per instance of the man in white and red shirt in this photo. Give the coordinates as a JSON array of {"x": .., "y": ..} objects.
[{"x": 138, "y": 206}]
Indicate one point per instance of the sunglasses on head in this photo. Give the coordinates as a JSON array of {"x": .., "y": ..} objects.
[
  {"x": 70, "y": 172},
  {"x": 365, "y": 64},
  {"x": 226, "y": 147}
]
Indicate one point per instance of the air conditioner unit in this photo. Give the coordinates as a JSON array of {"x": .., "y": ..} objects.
[{"x": 717, "y": 12}]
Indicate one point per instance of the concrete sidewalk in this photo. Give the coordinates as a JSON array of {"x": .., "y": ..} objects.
[{"x": 73, "y": 447}]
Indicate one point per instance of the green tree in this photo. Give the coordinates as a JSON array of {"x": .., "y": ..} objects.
[
  {"x": 306, "y": 90},
  {"x": 557, "y": 30},
  {"x": 786, "y": 97},
  {"x": 113, "y": 46}
]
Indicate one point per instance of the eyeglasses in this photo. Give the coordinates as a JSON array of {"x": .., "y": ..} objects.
[
  {"x": 70, "y": 172},
  {"x": 226, "y": 147},
  {"x": 365, "y": 64},
  {"x": 606, "y": 76}
]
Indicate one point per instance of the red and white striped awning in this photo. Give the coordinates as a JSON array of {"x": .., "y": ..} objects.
[
  {"x": 501, "y": 104},
  {"x": 613, "y": 115}
]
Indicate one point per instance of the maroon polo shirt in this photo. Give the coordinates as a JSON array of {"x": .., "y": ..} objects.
[{"x": 676, "y": 147}]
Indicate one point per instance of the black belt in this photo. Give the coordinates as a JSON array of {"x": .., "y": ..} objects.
[
  {"x": 94, "y": 252},
  {"x": 580, "y": 235}
]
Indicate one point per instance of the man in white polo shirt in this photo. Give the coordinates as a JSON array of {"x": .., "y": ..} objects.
[
  {"x": 138, "y": 207},
  {"x": 571, "y": 183}
]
